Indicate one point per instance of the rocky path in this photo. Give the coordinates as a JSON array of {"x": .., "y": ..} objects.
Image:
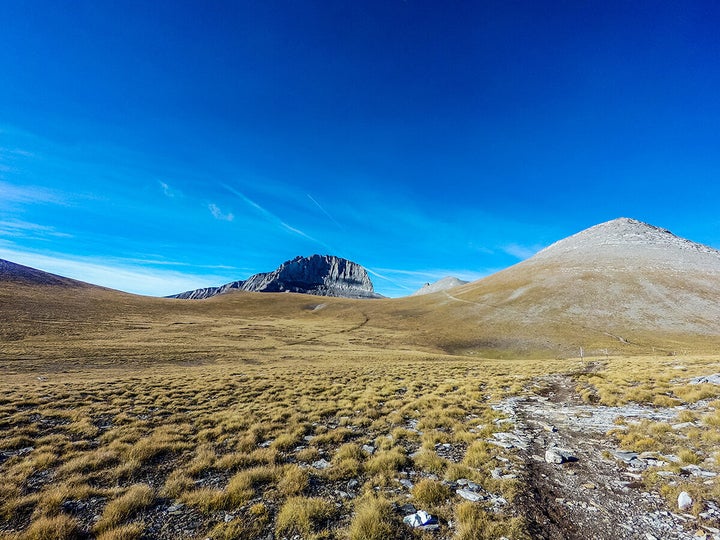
[{"x": 595, "y": 492}]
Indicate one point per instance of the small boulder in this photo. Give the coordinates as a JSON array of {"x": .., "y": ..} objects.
[
  {"x": 469, "y": 495},
  {"x": 406, "y": 483},
  {"x": 419, "y": 519},
  {"x": 321, "y": 464},
  {"x": 558, "y": 455},
  {"x": 684, "y": 501}
]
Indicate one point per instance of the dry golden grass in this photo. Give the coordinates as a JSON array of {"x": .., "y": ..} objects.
[
  {"x": 373, "y": 519},
  {"x": 136, "y": 498},
  {"x": 60, "y": 527},
  {"x": 303, "y": 516},
  {"x": 114, "y": 398}
]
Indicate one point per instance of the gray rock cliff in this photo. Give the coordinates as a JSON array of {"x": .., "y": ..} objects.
[{"x": 322, "y": 275}]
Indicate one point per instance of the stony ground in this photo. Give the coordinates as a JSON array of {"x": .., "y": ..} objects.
[{"x": 598, "y": 492}]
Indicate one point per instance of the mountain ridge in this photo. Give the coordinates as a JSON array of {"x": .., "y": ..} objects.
[
  {"x": 18, "y": 273},
  {"x": 319, "y": 275},
  {"x": 619, "y": 288},
  {"x": 446, "y": 283}
]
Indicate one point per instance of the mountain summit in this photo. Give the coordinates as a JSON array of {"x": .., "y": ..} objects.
[
  {"x": 623, "y": 280},
  {"x": 633, "y": 241},
  {"x": 321, "y": 275}
]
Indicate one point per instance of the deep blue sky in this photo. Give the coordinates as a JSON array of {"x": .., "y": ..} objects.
[{"x": 159, "y": 146}]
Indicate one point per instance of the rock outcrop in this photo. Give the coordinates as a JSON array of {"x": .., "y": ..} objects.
[
  {"x": 321, "y": 275},
  {"x": 441, "y": 285}
]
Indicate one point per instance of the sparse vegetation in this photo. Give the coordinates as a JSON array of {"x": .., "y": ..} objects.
[{"x": 124, "y": 411}]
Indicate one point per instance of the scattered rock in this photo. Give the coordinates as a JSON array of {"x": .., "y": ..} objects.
[
  {"x": 558, "y": 455},
  {"x": 469, "y": 495},
  {"x": 368, "y": 449},
  {"x": 321, "y": 464},
  {"x": 406, "y": 483},
  {"x": 706, "y": 379},
  {"x": 175, "y": 508},
  {"x": 694, "y": 470},
  {"x": 408, "y": 509}
]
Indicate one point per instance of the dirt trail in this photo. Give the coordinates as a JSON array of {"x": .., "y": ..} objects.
[{"x": 595, "y": 495}]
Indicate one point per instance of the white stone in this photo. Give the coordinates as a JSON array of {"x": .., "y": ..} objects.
[
  {"x": 418, "y": 519},
  {"x": 684, "y": 501},
  {"x": 558, "y": 455},
  {"x": 469, "y": 495}
]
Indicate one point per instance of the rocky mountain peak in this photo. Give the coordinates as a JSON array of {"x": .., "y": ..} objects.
[
  {"x": 322, "y": 275},
  {"x": 625, "y": 237}
]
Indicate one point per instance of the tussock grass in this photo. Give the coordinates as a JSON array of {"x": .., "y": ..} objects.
[
  {"x": 303, "y": 516},
  {"x": 474, "y": 523},
  {"x": 294, "y": 481},
  {"x": 135, "y": 498},
  {"x": 373, "y": 519},
  {"x": 387, "y": 461},
  {"x": 60, "y": 527},
  {"x": 132, "y": 531},
  {"x": 209, "y": 406},
  {"x": 430, "y": 493}
]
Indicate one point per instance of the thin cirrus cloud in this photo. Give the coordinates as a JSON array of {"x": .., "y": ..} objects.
[
  {"x": 322, "y": 209},
  {"x": 29, "y": 194},
  {"x": 168, "y": 191},
  {"x": 19, "y": 228},
  {"x": 117, "y": 274},
  {"x": 219, "y": 214},
  {"x": 521, "y": 252},
  {"x": 272, "y": 218}
]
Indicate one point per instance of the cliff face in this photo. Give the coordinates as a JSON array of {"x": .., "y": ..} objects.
[{"x": 322, "y": 275}]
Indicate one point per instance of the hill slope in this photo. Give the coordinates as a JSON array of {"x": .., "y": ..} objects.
[
  {"x": 618, "y": 284},
  {"x": 622, "y": 287},
  {"x": 11, "y": 272}
]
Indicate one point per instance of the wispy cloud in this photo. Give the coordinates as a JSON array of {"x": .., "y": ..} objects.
[
  {"x": 272, "y": 217},
  {"x": 117, "y": 274},
  {"x": 414, "y": 277},
  {"x": 322, "y": 209},
  {"x": 29, "y": 194},
  {"x": 18, "y": 228},
  {"x": 168, "y": 191},
  {"x": 218, "y": 214},
  {"x": 389, "y": 279},
  {"x": 521, "y": 252}
]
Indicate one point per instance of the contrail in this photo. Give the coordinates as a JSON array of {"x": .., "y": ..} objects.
[
  {"x": 398, "y": 284},
  {"x": 325, "y": 212},
  {"x": 272, "y": 217}
]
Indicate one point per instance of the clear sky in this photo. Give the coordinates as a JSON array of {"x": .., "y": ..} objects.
[{"x": 158, "y": 146}]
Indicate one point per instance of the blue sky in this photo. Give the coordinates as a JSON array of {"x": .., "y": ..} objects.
[{"x": 160, "y": 146}]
